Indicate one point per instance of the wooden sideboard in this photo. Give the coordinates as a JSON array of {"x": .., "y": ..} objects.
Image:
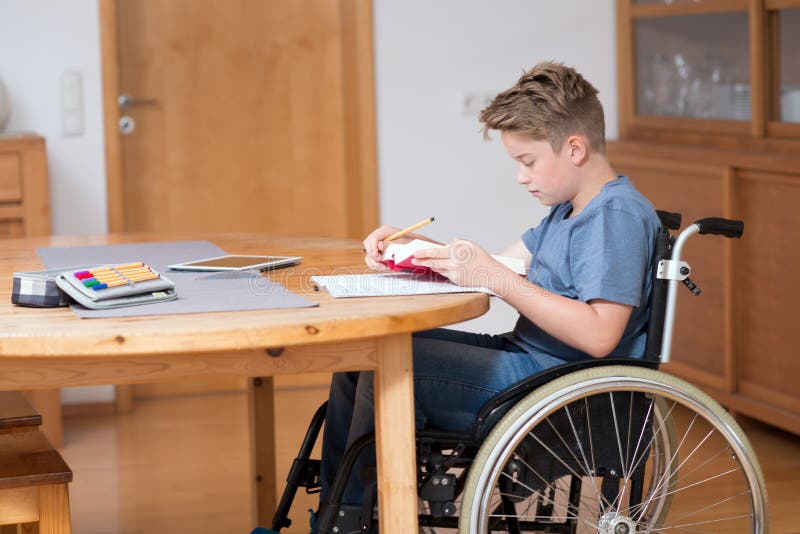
[
  {"x": 709, "y": 125},
  {"x": 735, "y": 341},
  {"x": 25, "y": 212},
  {"x": 24, "y": 189}
]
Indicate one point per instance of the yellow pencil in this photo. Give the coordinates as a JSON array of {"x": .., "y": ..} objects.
[
  {"x": 116, "y": 283},
  {"x": 142, "y": 278},
  {"x": 128, "y": 265},
  {"x": 134, "y": 272},
  {"x": 101, "y": 271},
  {"x": 104, "y": 277},
  {"x": 140, "y": 268},
  {"x": 409, "y": 229},
  {"x": 118, "y": 271}
]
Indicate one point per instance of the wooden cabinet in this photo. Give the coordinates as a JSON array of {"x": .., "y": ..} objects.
[
  {"x": 769, "y": 263},
  {"x": 24, "y": 191},
  {"x": 25, "y": 212},
  {"x": 710, "y": 126}
]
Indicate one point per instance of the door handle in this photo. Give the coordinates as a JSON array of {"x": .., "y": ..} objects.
[{"x": 124, "y": 100}]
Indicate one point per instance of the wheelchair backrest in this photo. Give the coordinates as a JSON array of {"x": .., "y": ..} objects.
[
  {"x": 658, "y": 292},
  {"x": 497, "y": 406}
]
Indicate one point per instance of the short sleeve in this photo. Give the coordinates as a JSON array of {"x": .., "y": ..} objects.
[
  {"x": 610, "y": 254},
  {"x": 530, "y": 238}
]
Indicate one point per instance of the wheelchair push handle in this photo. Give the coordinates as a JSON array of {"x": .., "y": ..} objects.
[
  {"x": 720, "y": 226},
  {"x": 708, "y": 225}
]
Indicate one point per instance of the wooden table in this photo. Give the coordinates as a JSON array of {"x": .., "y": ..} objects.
[{"x": 49, "y": 348}]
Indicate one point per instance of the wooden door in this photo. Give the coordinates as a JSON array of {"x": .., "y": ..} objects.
[
  {"x": 255, "y": 116},
  {"x": 252, "y": 116}
]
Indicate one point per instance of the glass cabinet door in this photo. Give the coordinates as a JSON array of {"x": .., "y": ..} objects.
[
  {"x": 695, "y": 66},
  {"x": 789, "y": 65}
]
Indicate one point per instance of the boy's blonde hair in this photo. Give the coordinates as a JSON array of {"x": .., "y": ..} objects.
[{"x": 549, "y": 102}]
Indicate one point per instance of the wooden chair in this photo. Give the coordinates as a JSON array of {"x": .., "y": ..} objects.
[{"x": 33, "y": 476}]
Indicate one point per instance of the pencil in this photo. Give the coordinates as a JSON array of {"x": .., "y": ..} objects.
[
  {"x": 405, "y": 231},
  {"x": 411, "y": 228},
  {"x": 128, "y": 265},
  {"x": 142, "y": 277}
]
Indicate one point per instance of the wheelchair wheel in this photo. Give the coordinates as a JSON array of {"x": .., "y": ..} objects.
[{"x": 615, "y": 450}]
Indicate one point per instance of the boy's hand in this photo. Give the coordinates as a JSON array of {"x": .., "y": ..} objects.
[
  {"x": 374, "y": 246},
  {"x": 462, "y": 262}
]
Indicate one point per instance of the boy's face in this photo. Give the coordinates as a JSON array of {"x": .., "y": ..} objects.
[{"x": 547, "y": 175}]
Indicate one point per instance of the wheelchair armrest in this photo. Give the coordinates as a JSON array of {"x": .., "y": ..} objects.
[{"x": 498, "y": 406}]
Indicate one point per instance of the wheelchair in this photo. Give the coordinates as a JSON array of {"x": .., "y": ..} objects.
[{"x": 608, "y": 446}]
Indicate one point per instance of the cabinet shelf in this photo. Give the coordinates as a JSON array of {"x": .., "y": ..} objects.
[{"x": 659, "y": 8}]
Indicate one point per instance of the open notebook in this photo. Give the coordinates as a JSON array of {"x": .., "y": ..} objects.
[
  {"x": 398, "y": 257},
  {"x": 409, "y": 279},
  {"x": 390, "y": 284}
]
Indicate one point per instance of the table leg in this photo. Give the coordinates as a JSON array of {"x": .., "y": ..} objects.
[
  {"x": 395, "y": 445},
  {"x": 54, "y": 509},
  {"x": 262, "y": 449},
  {"x": 48, "y": 403}
]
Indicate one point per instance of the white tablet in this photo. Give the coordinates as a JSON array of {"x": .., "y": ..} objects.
[{"x": 232, "y": 262}]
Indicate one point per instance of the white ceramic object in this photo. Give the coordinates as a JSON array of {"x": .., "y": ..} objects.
[{"x": 5, "y": 106}]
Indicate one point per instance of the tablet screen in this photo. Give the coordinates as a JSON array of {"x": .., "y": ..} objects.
[{"x": 234, "y": 262}]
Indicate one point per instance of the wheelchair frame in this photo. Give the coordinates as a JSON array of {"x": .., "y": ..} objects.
[{"x": 569, "y": 384}]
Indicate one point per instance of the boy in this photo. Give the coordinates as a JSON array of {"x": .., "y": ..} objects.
[{"x": 589, "y": 263}]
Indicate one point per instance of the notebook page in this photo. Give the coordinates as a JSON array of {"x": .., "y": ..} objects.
[{"x": 391, "y": 284}]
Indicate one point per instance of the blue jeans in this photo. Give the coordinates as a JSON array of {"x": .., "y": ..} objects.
[{"x": 455, "y": 373}]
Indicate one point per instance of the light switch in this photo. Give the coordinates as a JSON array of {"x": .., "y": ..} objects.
[{"x": 72, "y": 103}]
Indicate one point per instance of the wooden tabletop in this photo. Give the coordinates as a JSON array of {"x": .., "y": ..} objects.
[
  {"x": 41, "y": 348},
  {"x": 57, "y": 332}
]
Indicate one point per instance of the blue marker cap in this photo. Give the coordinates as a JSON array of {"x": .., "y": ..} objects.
[{"x": 99, "y": 286}]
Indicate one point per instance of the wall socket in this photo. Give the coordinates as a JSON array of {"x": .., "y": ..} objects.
[
  {"x": 473, "y": 102},
  {"x": 72, "y": 103}
]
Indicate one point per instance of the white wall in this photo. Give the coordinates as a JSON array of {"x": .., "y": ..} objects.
[
  {"x": 39, "y": 41},
  {"x": 431, "y": 158}
]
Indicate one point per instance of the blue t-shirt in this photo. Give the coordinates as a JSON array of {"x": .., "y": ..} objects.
[{"x": 604, "y": 252}]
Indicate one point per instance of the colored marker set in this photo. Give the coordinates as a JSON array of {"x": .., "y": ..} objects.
[
  {"x": 119, "y": 275},
  {"x": 113, "y": 286}
]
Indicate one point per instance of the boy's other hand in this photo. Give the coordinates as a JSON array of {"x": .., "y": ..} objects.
[{"x": 462, "y": 262}]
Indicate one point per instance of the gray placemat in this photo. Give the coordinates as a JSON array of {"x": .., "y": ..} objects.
[{"x": 197, "y": 292}]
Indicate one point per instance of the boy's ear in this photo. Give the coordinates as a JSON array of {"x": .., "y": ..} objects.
[{"x": 577, "y": 148}]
